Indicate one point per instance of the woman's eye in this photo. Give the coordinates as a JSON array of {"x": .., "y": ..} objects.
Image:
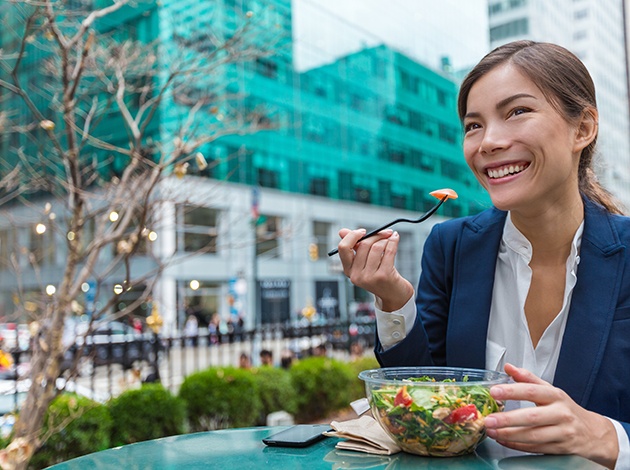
[
  {"x": 471, "y": 126},
  {"x": 518, "y": 111}
]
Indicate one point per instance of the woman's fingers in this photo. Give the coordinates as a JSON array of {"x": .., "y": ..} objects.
[
  {"x": 527, "y": 387},
  {"x": 372, "y": 253},
  {"x": 346, "y": 247},
  {"x": 389, "y": 253},
  {"x": 523, "y": 375}
]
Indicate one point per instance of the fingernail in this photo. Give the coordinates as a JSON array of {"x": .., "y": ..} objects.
[
  {"x": 497, "y": 392},
  {"x": 395, "y": 234},
  {"x": 491, "y": 433},
  {"x": 490, "y": 422},
  {"x": 362, "y": 230}
]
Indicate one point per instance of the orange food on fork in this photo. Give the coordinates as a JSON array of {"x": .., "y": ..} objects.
[{"x": 440, "y": 193}]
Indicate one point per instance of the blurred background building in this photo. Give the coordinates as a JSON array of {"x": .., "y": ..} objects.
[{"x": 360, "y": 138}]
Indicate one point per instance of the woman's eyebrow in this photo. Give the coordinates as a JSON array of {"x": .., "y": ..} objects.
[{"x": 504, "y": 102}]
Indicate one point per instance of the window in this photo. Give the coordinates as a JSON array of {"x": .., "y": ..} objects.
[
  {"x": 357, "y": 102},
  {"x": 197, "y": 229},
  {"x": 267, "y": 236},
  {"x": 320, "y": 234},
  {"x": 399, "y": 201},
  {"x": 362, "y": 195},
  {"x": 384, "y": 193},
  {"x": 267, "y": 68},
  {"x": 409, "y": 83},
  {"x": 447, "y": 133},
  {"x": 441, "y": 97},
  {"x": 318, "y": 187},
  {"x": 518, "y": 27},
  {"x": 578, "y": 35},
  {"x": 451, "y": 169},
  {"x": 267, "y": 178},
  {"x": 421, "y": 160},
  {"x": 581, "y": 14},
  {"x": 345, "y": 185},
  {"x": 378, "y": 67}
]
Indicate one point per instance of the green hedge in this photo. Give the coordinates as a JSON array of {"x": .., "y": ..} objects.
[
  {"x": 311, "y": 389},
  {"x": 276, "y": 391},
  {"x": 221, "y": 398},
  {"x": 322, "y": 385},
  {"x": 357, "y": 388},
  {"x": 86, "y": 428},
  {"x": 147, "y": 413}
]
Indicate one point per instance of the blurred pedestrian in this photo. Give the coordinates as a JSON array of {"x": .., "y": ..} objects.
[
  {"x": 245, "y": 362},
  {"x": 286, "y": 359},
  {"x": 320, "y": 350},
  {"x": 191, "y": 330},
  {"x": 137, "y": 325},
  {"x": 7, "y": 370},
  {"x": 356, "y": 350},
  {"x": 266, "y": 357}
]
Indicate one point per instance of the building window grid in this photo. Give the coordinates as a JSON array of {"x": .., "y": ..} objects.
[
  {"x": 268, "y": 236},
  {"x": 321, "y": 234},
  {"x": 197, "y": 229}
]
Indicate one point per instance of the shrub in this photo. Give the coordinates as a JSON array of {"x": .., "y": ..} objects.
[
  {"x": 357, "y": 388},
  {"x": 79, "y": 426},
  {"x": 221, "y": 397},
  {"x": 147, "y": 413},
  {"x": 276, "y": 391},
  {"x": 322, "y": 385}
]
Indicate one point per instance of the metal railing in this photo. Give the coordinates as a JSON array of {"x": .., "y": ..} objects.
[{"x": 106, "y": 368}]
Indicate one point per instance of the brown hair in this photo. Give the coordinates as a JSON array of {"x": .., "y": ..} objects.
[{"x": 567, "y": 85}]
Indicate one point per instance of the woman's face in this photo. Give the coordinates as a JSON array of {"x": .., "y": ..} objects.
[{"x": 518, "y": 146}]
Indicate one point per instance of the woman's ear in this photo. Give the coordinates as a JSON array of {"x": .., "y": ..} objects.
[{"x": 587, "y": 128}]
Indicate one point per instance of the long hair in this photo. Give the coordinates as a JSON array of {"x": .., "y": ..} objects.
[{"x": 567, "y": 85}]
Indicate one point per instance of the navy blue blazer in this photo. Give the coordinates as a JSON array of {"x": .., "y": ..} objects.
[{"x": 455, "y": 292}]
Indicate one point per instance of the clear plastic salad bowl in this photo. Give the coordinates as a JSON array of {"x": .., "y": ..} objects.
[{"x": 433, "y": 411}]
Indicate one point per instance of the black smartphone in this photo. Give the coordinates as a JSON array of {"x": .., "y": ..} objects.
[{"x": 299, "y": 435}]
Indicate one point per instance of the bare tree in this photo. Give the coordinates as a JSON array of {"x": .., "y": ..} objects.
[{"x": 85, "y": 158}]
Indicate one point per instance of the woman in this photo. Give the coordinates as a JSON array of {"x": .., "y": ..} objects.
[{"x": 538, "y": 285}]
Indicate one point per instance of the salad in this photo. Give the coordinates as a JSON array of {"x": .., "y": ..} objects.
[{"x": 442, "y": 420}]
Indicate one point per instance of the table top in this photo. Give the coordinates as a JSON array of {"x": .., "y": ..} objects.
[{"x": 243, "y": 449}]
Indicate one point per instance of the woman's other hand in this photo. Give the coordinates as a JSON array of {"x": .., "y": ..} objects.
[
  {"x": 556, "y": 425},
  {"x": 369, "y": 264}
]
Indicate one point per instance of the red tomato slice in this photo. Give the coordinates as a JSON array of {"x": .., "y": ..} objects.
[
  {"x": 440, "y": 193},
  {"x": 402, "y": 397},
  {"x": 463, "y": 413}
]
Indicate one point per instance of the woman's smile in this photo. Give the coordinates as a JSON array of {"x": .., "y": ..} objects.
[{"x": 505, "y": 171}]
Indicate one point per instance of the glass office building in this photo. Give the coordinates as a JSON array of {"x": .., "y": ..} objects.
[{"x": 354, "y": 142}]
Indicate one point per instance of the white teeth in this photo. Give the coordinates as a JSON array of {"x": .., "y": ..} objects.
[{"x": 501, "y": 172}]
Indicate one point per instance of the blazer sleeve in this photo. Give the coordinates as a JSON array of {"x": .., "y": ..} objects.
[{"x": 426, "y": 343}]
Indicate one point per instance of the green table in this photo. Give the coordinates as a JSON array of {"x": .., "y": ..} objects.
[{"x": 242, "y": 449}]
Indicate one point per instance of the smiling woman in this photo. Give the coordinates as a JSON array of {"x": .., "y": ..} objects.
[{"x": 538, "y": 285}]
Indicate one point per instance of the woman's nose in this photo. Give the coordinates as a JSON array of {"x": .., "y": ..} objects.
[{"x": 494, "y": 139}]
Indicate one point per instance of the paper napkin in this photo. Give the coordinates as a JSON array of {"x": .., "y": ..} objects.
[{"x": 363, "y": 435}]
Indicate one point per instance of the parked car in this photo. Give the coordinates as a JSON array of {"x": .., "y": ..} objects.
[{"x": 113, "y": 342}]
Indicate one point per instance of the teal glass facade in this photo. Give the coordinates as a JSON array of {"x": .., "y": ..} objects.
[{"x": 373, "y": 127}]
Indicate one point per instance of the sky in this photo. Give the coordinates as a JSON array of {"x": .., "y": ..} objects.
[{"x": 426, "y": 30}]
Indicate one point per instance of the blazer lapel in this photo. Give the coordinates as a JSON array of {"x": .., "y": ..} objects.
[
  {"x": 592, "y": 305},
  {"x": 471, "y": 299}
]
